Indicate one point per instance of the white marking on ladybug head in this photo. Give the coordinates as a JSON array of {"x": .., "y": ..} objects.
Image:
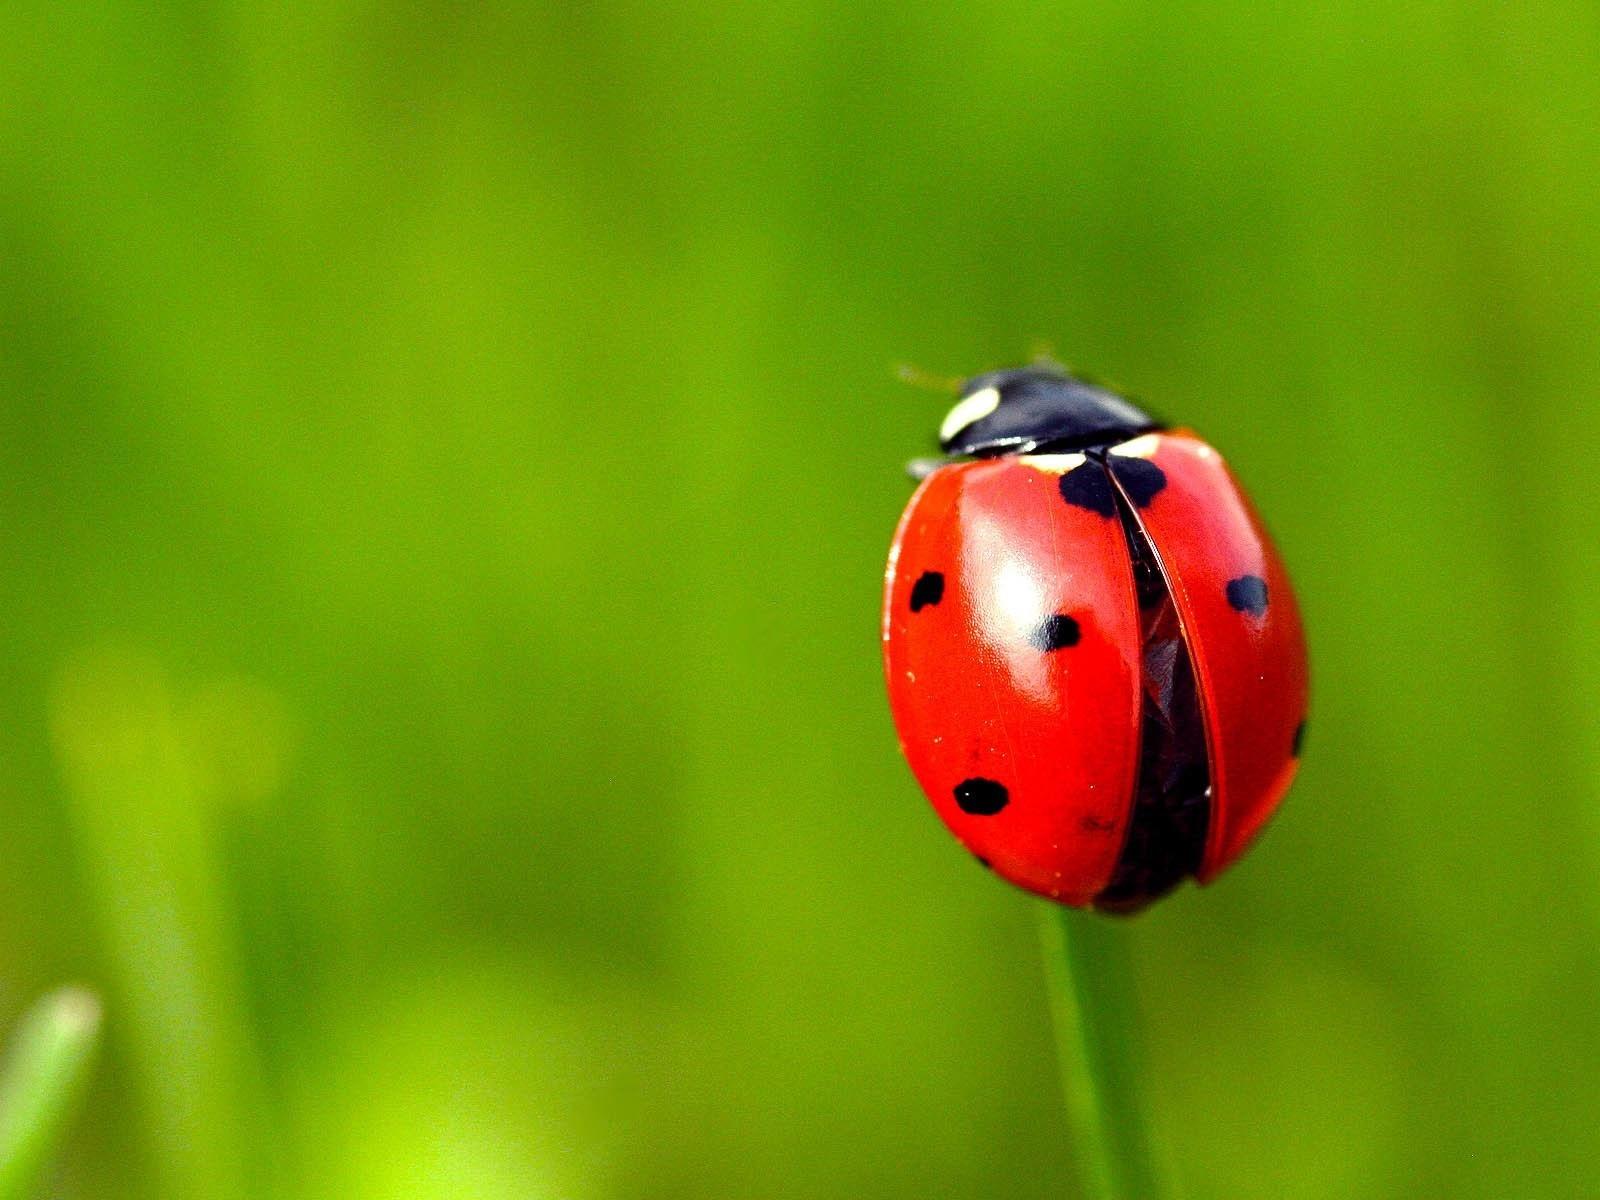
[
  {"x": 1143, "y": 446},
  {"x": 1053, "y": 464},
  {"x": 968, "y": 411}
]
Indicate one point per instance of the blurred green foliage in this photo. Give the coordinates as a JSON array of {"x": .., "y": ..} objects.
[{"x": 448, "y": 454}]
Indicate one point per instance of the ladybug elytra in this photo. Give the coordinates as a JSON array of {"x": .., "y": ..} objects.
[{"x": 1094, "y": 656}]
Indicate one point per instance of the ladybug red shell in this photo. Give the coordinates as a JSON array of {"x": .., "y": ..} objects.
[{"x": 1093, "y": 653}]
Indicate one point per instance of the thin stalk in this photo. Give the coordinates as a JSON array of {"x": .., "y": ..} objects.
[
  {"x": 1095, "y": 1012},
  {"x": 44, "y": 1072}
]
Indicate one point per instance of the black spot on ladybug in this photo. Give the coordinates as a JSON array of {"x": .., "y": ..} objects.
[
  {"x": 1056, "y": 633},
  {"x": 1139, "y": 477},
  {"x": 1299, "y": 739},
  {"x": 1094, "y": 824},
  {"x": 1248, "y": 594},
  {"x": 929, "y": 589},
  {"x": 1086, "y": 486},
  {"x": 981, "y": 797}
]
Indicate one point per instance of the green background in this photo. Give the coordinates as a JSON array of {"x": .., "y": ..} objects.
[{"x": 447, "y": 455}]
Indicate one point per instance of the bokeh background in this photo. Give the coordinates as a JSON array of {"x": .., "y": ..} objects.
[{"x": 447, "y": 454}]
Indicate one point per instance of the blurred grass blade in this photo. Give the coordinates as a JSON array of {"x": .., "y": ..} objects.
[
  {"x": 44, "y": 1071},
  {"x": 1095, "y": 1014},
  {"x": 161, "y": 897}
]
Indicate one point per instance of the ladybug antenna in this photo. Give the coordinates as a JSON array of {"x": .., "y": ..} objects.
[
  {"x": 927, "y": 380},
  {"x": 1043, "y": 354}
]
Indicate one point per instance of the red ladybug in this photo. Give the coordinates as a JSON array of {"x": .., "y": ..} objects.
[{"x": 1093, "y": 652}]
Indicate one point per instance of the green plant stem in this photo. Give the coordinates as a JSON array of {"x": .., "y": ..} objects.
[
  {"x": 44, "y": 1072},
  {"x": 1095, "y": 1012}
]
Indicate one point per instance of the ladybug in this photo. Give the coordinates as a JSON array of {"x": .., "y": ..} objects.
[{"x": 1094, "y": 657}]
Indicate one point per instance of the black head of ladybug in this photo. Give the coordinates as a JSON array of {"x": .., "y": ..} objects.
[{"x": 1026, "y": 409}]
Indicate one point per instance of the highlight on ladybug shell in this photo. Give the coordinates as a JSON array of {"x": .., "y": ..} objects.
[{"x": 1093, "y": 653}]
